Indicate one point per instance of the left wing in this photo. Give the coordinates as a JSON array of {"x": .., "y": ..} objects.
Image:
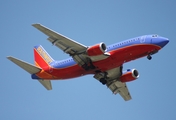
[
  {"x": 66, "y": 44},
  {"x": 71, "y": 47}
]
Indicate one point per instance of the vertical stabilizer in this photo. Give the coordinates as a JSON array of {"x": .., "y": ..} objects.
[{"x": 41, "y": 57}]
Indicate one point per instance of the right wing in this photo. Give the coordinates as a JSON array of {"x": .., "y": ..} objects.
[
  {"x": 121, "y": 88},
  {"x": 66, "y": 44},
  {"x": 112, "y": 77}
]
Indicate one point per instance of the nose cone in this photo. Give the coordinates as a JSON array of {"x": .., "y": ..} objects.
[{"x": 161, "y": 41}]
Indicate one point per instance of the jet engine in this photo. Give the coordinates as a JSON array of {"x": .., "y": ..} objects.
[
  {"x": 97, "y": 49},
  {"x": 129, "y": 75}
]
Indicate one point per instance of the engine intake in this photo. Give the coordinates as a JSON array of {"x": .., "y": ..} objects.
[
  {"x": 129, "y": 75},
  {"x": 97, "y": 49}
]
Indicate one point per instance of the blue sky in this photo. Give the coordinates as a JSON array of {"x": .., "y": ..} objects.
[{"x": 88, "y": 22}]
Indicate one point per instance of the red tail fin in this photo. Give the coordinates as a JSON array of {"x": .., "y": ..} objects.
[{"x": 41, "y": 57}]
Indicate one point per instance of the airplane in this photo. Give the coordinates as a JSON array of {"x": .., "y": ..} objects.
[{"x": 104, "y": 62}]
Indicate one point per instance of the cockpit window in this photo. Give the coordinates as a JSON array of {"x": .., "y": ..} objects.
[{"x": 155, "y": 35}]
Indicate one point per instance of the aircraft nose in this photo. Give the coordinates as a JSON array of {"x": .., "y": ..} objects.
[{"x": 161, "y": 41}]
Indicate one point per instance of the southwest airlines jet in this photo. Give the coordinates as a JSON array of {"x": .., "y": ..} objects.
[{"x": 105, "y": 63}]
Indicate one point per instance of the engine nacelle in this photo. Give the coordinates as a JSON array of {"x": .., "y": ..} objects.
[
  {"x": 97, "y": 49},
  {"x": 129, "y": 75}
]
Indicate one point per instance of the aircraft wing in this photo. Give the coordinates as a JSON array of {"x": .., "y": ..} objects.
[
  {"x": 114, "y": 83},
  {"x": 66, "y": 44},
  {"x": 121, "y": 88}
]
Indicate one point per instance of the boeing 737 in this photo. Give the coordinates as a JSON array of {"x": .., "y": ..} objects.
[{"x": 105, "y": 63}]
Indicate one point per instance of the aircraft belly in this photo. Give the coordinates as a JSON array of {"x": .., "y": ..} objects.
[
  {"x": 70, "y": 72},
  {"x": 105, "y": 64},
  {"x": 129, "y": 53}
]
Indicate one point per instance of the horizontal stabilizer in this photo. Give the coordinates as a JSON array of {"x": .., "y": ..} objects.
[
  {"x": 46, "y": 84},
  {"x": 32, "y": 69}
]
